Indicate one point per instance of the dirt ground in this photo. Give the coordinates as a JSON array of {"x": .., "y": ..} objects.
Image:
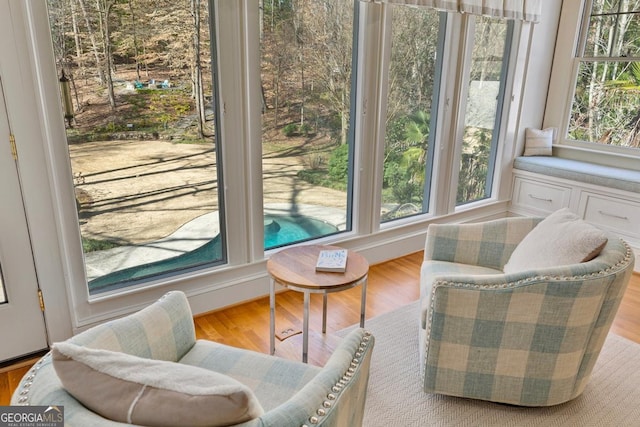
[
  {"x": 137, "y": 191},
  {"x": 133, "y": 191}
]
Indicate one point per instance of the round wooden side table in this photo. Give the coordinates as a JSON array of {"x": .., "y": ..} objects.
[{"x": 295, "y": 269}]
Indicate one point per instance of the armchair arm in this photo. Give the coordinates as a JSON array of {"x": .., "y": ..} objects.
[
  {"x": 511, "y": 339},
  {"x": 336, "y": 395},
  {"x": 488, "y": 244}
]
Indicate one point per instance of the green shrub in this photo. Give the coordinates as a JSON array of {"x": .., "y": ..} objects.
[
  {"x": 305, "y": 129},
  {"x": 339, "y": 164},
  {"x": 91, "y": 245},
  {"x": 315, "y": 176},
  {"x": 290, "y": 129}
]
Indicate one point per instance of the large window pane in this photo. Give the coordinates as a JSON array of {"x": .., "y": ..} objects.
[
  {"x": 306, "y": 48},
  {"x": 141, "y": 134},
  {"x": 410, "y": 127},
  {"x": 606, "y": 106},
  {"x": 613, "y": 29},
  {"x": 614, "y": 35},
  {"x": 483, "y": 108},
  {"x": 613, "y": 6}
]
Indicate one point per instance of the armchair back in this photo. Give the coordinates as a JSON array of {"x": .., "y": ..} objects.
[{"x": 161, "y": 331}]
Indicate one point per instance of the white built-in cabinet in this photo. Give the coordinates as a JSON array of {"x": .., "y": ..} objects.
[{"x": 611, "y": 209}]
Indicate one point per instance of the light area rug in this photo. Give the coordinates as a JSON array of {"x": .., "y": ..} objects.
[{"x": 395, "y": 397}]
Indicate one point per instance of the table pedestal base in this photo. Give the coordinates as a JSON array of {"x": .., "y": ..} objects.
[{"x": 305, "y": 319}]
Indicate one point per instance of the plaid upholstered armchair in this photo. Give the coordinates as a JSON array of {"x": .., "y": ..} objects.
[
  {"x": 529, "y": 337},
  {"x": 148, "y": 369}
]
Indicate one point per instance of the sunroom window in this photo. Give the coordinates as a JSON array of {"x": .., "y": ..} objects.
[
  {"x": 606, "y": 101},
  {"x": 417, "y": 38},
  {"x": 141, "y": 133},
  {"x": 483, "y": 110},
  {"x": 306, "y": 76}
]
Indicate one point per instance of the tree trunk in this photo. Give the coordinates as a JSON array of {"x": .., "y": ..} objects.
[
  {"x": 136, "y": 50},
  {"x": 297, "y": 24},
  {"x": 261, "y": 23},
  {"x": 344, "y": 125},
  {"x": 76, "y": 38},
  {"x": 198, "y": 91},
  {"x": 276, "y": 88},
  {"x": 105, "y": 13},
  {"x": 92, "y": 39},
  {"x": 594, "y": 91}
]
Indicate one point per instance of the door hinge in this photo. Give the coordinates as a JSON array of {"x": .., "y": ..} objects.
[
  {"x": 41, "y": 298},
  {"x": 14, "y": 150}
]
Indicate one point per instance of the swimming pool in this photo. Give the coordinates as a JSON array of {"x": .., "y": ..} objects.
[{"x": 279, "y": 230}]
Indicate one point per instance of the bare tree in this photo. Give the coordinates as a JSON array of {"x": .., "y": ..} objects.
[
  {"x": 105, "y": 8},
  {"x": 92, "y": 38},
  {"x": 134, "y": 30},
  {"x": 196, "y": 67},
  {"x": 278, "y": 58},
  {"x": 329, "y": 35},
  {"x": 76, "y": 37},
  {"x": 298, "y": 26}
]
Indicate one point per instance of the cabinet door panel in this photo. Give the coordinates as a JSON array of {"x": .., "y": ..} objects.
[
  {"x": 617, "y": 215},
  {"x": 542, "y": 197}
]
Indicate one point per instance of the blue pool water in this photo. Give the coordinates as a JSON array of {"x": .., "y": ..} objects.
[{"x": 279, "y": 230}]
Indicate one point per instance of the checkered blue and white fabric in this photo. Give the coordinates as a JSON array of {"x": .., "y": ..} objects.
[
  {"x": 530, "y": 338},
  {"x": 292, "y": 393}
]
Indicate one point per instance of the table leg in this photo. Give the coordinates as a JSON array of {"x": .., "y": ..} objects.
[
  {"x": 272, "y": 320},
  {"x": 363, "y": 302},
  {"x": 305, "y": 328},
  {"x": 324, "y": 313}
]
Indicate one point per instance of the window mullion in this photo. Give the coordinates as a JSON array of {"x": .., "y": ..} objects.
[
  {"x": 458, "y": 106},
  {"x": 374, "y": 54},
  {"x": 233, "y": 47},
  {"x": 497, "y": 133},
  {"x": 253, "y": 159},
  {"x": 438, "y": 109}
]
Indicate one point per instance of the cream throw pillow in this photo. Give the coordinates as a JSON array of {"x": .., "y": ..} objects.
[
  {"x": 131, "y": 389},
  {"x": 538, "y": 142},
  {"x": 560, "y": 239}
]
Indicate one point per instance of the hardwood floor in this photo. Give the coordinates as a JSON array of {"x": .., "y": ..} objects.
[{"x": 391, "y": 285}]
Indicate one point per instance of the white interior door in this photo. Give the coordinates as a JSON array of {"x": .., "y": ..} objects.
[{"x": 22, "y": 327}]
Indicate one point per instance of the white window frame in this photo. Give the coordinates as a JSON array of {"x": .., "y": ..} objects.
[
  {"x": 57, "y": 246},
  {"x": 562, "y": 86},
  {"x": 464, "y": 25},
  {"x": 459, "y": 37}
]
